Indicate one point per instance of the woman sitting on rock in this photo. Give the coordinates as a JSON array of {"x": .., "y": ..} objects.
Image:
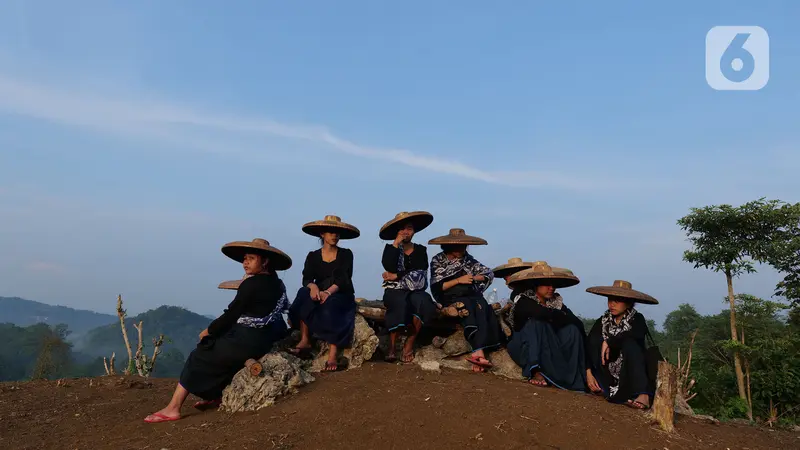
[
  {"x": 548, "y": 339},
  {"x": 458, "y": 278},
  {"x": 616, "y": 348},
  {"x": 405, "y": 280},
  {"x": 246, "y": 329},
  {"x": 325, "y": 306}
]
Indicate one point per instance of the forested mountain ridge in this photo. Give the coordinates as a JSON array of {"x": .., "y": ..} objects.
[{"x": 23, "y": 313}]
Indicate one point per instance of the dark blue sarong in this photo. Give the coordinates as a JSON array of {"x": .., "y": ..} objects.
[
  {"x": 211, "y": 366},
  {"x": 332, "y": 322},
  {"x": 558, "y": 354}
]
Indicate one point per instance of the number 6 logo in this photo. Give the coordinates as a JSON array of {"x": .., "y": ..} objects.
[{"x": 737, "y": 58}]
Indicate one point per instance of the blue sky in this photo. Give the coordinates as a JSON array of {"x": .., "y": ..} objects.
[{"x": 138, "y": 137}]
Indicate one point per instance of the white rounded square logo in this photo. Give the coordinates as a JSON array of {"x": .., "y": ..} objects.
[{"x": 737, "y": 58}]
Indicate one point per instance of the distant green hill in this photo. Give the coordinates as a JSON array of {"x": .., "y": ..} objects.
[{"x": 24, "y": 313}]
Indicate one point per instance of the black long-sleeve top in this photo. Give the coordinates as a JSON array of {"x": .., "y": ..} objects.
[
  {"x": 326, "y": 274},
  {"x": 257, "y": 296},
  {"x": 527, "y": 308},
  {"x": 417, "y": 260},
  {"x": 637, "y": 332}
]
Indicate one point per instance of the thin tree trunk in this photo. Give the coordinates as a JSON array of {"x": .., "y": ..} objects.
[
  {"x": 749, "y": 393},
  {"x": 737, "y": 360},
  {"x": 121, "y": 314}
]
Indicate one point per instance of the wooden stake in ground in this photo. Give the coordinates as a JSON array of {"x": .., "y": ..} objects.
[
  {"x": 663, "y": 410},
  {"x": 121, "y": 314}
]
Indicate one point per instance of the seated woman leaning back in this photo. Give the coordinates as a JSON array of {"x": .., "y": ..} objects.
[{"x": 246, "y": 329}]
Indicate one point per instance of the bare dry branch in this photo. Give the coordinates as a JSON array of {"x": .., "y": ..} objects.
[{"x": 121, "y": 314}]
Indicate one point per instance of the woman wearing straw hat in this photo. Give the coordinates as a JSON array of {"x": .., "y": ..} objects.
[
  {"x": 325, "y": 306},
  {"x": 616, "y": 348},
  {"x": 405, "y": 280},
  {"x": 246, "y": 329},
  {"x": 548, "y": 339},
  {"x": 513, "y": 266},
  {"x": 456, "y": 276}
]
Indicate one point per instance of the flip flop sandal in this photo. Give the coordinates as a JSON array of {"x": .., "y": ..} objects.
[
  {"x": 208, "y": 404},
  {"x": 330, "y": 367},
  {"x": 480, "y": 363},
  {"x": 636, "y": 405},
  {"x": 407, "y": 355},
  {"x": 390, "y": 358},
  {"x": 160, "y": 418}
]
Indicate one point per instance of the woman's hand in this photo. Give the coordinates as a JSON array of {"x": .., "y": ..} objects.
[
  {"x": 465, "y": 279},
  {"x": 388, "y": 276},
  {"x": 323, "y": 295},
  {"x": 203, "y": 334},
  {"x": 592, "y": 382},
  {"x": 479, "y": 278},
  {"x": 314, "y": 292},
  {"x": 605, "y": 353}
]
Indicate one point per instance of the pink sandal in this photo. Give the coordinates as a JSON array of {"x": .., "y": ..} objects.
[{"x": 160, "y": 418}]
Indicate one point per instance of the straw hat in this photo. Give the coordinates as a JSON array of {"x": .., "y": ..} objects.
[
  {"x": 542, "y": 273},
  {"x": 513, "y": 266},
  {"x": 420, "y": 220},
  {"x": 236, "y": 250},
  {"x": 331, "y": 224},
  {"x": 457, "y": 236},
  {"x": 230, "y": 284},
  {"x": 624, "y": 289}
]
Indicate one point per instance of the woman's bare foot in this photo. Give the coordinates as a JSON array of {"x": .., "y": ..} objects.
[{"x": 538, "y": 380}]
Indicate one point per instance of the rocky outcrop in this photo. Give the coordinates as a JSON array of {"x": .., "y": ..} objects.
[
  {"x": 450, "y": 352},
  {"x": 365, "y": 342},
  {"x": 281, "y": 374}
]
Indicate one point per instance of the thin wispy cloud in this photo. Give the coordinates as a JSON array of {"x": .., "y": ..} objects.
[{"x": 166, "y": 122}]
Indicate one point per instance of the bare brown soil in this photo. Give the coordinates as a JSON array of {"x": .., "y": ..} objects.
[{"x": 380, "y": 406}]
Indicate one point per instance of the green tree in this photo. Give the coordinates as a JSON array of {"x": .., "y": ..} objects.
[{"x": 729, "y": 239}]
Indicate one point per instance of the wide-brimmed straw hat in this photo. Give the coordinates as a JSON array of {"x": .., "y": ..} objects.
[
  {"x": 230, "y": 284},
  {"x": 332, "y": 224},
  {"x": 236, "y": 250},
  {"x": 419, "y": 219},
  {"x": 623, "y": 289},
  {"x": 513, "y": 266},
  {"x": 542, "y": 273},
  {"x": 457, "y": 236}
]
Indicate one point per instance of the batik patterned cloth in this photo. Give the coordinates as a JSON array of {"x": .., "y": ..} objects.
[
  {"x": 277, "y": 313},
  {"x": 612, "y": 328},
  {"x": 412, "y": 280},
  {"x": 442, "y": 268}
]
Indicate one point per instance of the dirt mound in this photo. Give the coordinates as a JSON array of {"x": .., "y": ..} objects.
[{"x": 375, "y": 407}]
